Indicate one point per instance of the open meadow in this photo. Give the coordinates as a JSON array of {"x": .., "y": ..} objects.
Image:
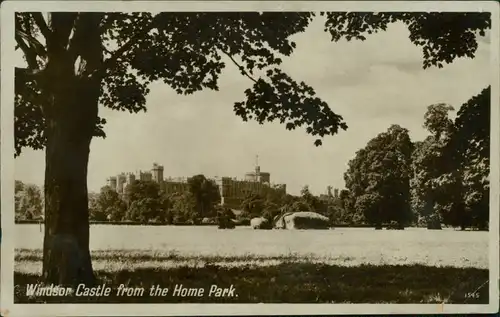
[
  {"x": 164, "y": 246},
  {"x": 339, "y": 265}
]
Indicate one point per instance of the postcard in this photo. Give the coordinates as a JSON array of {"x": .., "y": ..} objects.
[{"x": 249, "y": 157}]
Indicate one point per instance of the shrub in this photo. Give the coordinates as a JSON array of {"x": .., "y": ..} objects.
[{"x": 225, "y": 217}]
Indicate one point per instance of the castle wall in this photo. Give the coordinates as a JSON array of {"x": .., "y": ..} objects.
[
  {"x": 130, "y": 178},
  {"x": 235, "y": 191},
  {"x": 145, "y": 176},
  {"x": 174, "y": 187},
  {"x": 232, "y": 191}
]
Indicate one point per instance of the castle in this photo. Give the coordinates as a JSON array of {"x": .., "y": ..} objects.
[{"x": 232, "y": 190}]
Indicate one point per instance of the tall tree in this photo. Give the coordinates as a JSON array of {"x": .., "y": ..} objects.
[
  {"x": 472, "y": 137},
  {"x": 78, "y": 60},
  {"x": 206, "y": 194},
  {"x": 429, "y": 162},
  {"x": 451, "y": 166},
  {"x": 467, "y": 158},
  {"x": 379, "y": 177}
]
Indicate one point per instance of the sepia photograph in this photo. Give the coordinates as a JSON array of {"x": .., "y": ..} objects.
[{"x": 331, "y": 157}]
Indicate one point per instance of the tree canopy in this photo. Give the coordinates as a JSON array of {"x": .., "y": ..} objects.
[
  {"x": 379, "y": 177},
  {"x": 185, "y": 51},
  {"x": 430, "y": 160}
]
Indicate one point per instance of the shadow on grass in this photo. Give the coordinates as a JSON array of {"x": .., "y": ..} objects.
[
  {"x": 290, "y": 283},
  {"x": 142, "y": 256}
]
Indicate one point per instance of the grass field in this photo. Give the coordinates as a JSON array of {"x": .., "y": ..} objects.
[
  {"x": 340, "y": 266},
  {"x": 342, "y": 246}
]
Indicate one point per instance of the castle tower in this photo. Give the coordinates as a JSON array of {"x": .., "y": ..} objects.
[
  {"x": 257, "y": 175},
  {"x": 222, "y": 193},
  {"x": 329, "y": 191},
  {"x": 336, "y": 193},
  {"x": 130, "y": 178},
  {"x": 112, "y": 182},
  {"x": 120, "y": 180},
  {"x": 157, "y": 172},
  {"x": 257, "y": 167}
]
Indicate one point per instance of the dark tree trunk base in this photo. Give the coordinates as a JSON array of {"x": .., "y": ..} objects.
[{"x": 67, "y": 263}]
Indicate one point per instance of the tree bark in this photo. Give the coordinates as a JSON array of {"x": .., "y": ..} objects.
[
  {"x": 70, "y": 128},
  {"x": 66, "y": 243},
  {"x": 71, "y": 119}
]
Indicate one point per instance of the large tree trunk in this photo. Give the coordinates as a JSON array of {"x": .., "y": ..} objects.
[
  {"x": 71, "y": 119},
  {"x": 66, "y": 243},
  {"x": 66, "y": 257}
]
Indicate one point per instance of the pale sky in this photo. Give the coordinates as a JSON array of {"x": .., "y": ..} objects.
[{"x": 372, "y": 84}]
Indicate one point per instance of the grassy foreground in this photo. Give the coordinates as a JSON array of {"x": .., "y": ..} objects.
[{"x": 280, "y": 280}]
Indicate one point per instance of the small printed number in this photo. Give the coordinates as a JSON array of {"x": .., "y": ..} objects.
[{"x": 472, "y": 295}]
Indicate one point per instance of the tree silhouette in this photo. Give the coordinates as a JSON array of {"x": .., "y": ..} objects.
[
  {"x": 77, "y": 61},
  {"x": 206, "y": 194},
  {"x": 467, "y": 157},
  {"x": 451, "y": 166},
  {"x": 429, "y": 163},
  {"x": 379, "y": 177},
  {"x": 472, "y": 127}
]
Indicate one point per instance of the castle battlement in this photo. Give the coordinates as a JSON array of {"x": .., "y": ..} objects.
[{"x": 232, "y": 189}]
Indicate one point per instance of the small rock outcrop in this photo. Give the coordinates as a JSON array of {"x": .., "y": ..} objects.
[{"x": 302, "y": 220}]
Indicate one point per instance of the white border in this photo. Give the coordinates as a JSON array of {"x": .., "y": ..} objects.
[{"x": 7, "y": 160}]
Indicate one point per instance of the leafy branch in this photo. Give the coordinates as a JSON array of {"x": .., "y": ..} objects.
[{"x": 240, "y": 67}]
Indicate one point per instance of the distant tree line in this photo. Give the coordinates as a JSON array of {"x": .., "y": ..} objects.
[
  {"x": 275, "y": 204},
  {"x": 146, "y": 202},
  {"x": 392, "y": 181}
]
